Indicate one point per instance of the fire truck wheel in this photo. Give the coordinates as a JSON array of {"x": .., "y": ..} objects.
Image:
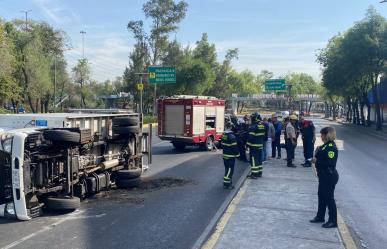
[
  {"x": 128, "y": 183},
  {"x": 62, "y": 136},
  {"x": 178, "y": 146},
  {"x": 209, "y": 144},
  {"x": 63, "y": 203},
  {"x": 125, "y": 121},
  {"x": 125, "y": 130},
  {"x": 128, "y": 173}
]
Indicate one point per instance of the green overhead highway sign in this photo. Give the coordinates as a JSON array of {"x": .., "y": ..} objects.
[
  {"x": 162, "y": 75},
  {"x": 275, "y": 85}
]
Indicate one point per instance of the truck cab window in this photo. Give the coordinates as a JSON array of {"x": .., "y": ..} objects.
[{"x": 210, "y": 122}]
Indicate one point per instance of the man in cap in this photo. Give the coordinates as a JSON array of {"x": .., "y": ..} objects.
[
  {"x": 308, "y": 133},
  {"x": 290, "y": 140},
  {"x": 255, "y": 143},
  {"x": 277, "y": 138}
]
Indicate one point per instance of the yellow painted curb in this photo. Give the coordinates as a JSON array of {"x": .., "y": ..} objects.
[
  {"x": 211, "y": 242},
  {"x": 346, "y": 236}
]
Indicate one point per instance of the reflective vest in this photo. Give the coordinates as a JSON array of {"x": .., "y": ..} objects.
[
  {"x": 229, "y": 145},
  {"x": 256, "y": 135}
]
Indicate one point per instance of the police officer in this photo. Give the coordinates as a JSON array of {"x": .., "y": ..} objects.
[
  {"x": 290, "y": 140},
  {"x": 255, "y": 143},
  {"x": 325, "y": 161},
  {"x": 308, "y": 134},
  {"x": 230, "y": 152}
]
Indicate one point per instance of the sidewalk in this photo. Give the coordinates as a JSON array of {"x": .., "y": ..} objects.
[{"x": 274, "y": 212}]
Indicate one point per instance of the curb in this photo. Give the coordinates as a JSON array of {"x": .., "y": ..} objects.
[{"x": 218, "y": 215}]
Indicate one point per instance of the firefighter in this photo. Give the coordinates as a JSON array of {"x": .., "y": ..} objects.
[
  {"x": 308, "y": 134},
  {"x": 255, "y": 143},
  {"x": 325, "y": 161},
  {"x": 230, "y": 152},
  {"x": 241, "y": 135}
]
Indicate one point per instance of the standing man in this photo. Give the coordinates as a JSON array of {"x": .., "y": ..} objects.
[
  {"x": 276, "y": 143},
  {"x": 270, "y": 139},
  {"x": 230, "y": 152},
  {"x": 255, "y": 143},
  {"x": 291, "y": 140},
  {"x": 308, "y": 133},
  {"x": 241, "y": 135},
  {"x": 265, "y": 139}
]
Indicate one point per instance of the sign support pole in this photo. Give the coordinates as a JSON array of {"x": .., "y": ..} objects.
[
  {"x": 155, "y": 104},
  {"x": 141, "y": 95}
]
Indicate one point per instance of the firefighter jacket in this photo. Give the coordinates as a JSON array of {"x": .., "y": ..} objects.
[
  {"x": 256, "y": 135},
  {"x": 229, "y": 145},
  {"x": 326, "y": 159}
]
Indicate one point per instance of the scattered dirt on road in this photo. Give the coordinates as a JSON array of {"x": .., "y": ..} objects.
[{"x": 161, "y": 183}]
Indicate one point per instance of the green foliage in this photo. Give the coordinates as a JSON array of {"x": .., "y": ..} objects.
[
  {"x": 148, "y": 119},
  {"x": 353, "y": 61}
]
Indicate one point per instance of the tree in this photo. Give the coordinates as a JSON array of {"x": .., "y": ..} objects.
[
  {"x": 9, "y": 90},
  {"x": 151, "y": 47},
  {"x": 206, "y": 52},
  {"x": 81, "y": 75}
]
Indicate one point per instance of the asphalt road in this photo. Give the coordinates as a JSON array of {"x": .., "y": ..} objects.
[
  {"x": 182, "y": 193},
  {"x": 361, "y": 193}
]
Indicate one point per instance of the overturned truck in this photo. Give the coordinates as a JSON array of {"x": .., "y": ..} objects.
[{"x": 55, "y": 160}]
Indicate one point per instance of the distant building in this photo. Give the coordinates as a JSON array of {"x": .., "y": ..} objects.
[{"x": 382, "y": 91}]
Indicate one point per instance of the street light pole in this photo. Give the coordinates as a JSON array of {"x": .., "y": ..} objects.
[
  {"x": 26, "y": 14},
  {"x": 83, "y": 43}
]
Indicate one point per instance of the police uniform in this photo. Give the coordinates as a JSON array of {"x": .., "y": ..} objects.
[
  {"x": 255, "y": 143},
  {"x": 326, "y": 159},
  {"x": 307, "y": 130},
  {"x": 230, "y": 152}
]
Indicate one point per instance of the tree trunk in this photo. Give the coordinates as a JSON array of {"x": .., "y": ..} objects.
[
  {"x": 362, "y": 104},
  {"x": 25, "y": 90},
  {"x": 376, "y": 98},
  {"x": 357, "y": 113}
]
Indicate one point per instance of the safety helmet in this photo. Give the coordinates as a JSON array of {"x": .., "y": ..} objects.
[
  {"x": 255, "y": 117},
  {"x": 293, "y": 117}
]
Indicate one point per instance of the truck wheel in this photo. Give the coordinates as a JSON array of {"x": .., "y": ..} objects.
[
  {"x": 125, "y": 121},
  {"x": 63, "y": 203},
  {"x": 128, "y": 173},
  {"x": 209, "y": 144},
  {"x": 128, "y": 183},
  {"x": 126, "y": 130},
  {"x": 62, "y": 136},
  {"x": 178, "y": 146}
]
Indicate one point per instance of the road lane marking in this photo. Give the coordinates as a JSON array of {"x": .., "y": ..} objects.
[
  {"x": 211, "y": 242},
  {"x": 44, "y": 229},
  {"x": 159, "y": 143}
]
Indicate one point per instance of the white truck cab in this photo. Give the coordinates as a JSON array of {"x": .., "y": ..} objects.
[{"x": 54, "y": 160}]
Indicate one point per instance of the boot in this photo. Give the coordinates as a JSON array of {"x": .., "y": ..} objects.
[{"x": 329, "y": 224}]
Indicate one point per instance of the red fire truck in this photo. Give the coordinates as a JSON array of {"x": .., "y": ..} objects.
[{"x": 191, "y": 120}]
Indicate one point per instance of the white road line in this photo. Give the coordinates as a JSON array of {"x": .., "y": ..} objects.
[
  {"x": 44, "y": 229},
  {"x": 159, "y": 143}
]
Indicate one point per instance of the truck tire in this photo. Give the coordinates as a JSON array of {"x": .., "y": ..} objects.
[
  {"x": 65, "y": 203},
  {"x": 128, "y": 183},
  {"x": 125, "y": 121},
  {"x": 208, "y": 144},
  {"x": 178, "y": 146},
  {"x": 62, "y": 136},
  {"x": 128, "y": 173},
  {"x": 126, "y": 130}
]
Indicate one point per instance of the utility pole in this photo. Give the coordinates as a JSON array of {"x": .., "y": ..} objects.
[
  {"x": 83, "y": 43},
  {"x": 26, "y": 15},
  {"x": 54, "y": 81}
]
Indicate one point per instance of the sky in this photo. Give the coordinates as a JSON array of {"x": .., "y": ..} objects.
[{"x": 276, "y": 35}]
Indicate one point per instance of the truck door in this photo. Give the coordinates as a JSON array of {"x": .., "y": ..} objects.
[{"x": 5, "y": 174}]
